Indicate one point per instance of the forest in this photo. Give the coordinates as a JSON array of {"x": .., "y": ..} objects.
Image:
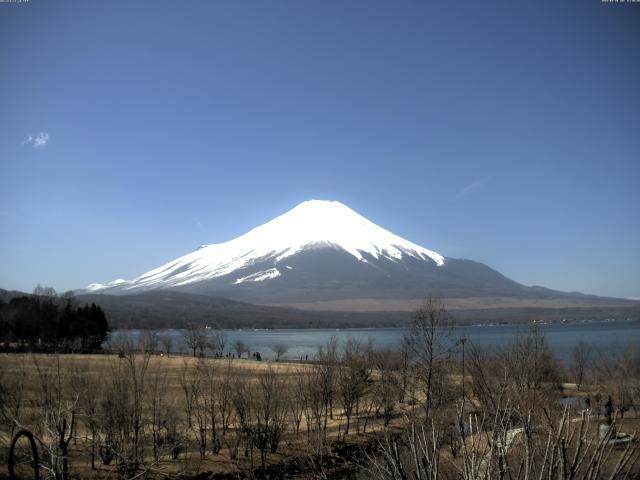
[{"x": 45, "y": 322}]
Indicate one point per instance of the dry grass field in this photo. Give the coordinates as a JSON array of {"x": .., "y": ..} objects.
[{"x": 170, "y": 381}]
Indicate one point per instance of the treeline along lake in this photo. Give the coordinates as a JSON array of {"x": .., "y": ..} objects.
[{"x": 602, "y": 336}]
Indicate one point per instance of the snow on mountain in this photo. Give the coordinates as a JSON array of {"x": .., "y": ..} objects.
[
  {"x": 309, "y": 225},
  {"x": 259, "y": 276},
  {"x": 92, "y": 287}
]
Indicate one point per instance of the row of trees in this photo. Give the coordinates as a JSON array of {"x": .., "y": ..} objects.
[
  {"x": 45, "y": 321},
  {"x": 198, "y": 340}
]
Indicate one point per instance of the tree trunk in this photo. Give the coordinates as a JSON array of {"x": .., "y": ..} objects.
[{"x": 93, "y": 450}]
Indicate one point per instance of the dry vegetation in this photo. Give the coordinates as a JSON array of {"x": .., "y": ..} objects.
[
  {"x": 175, "y": 415},
  {"x": 417, "y": 412}
]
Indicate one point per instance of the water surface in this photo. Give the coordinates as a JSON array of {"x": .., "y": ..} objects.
[{"x": 302, "y": 343}]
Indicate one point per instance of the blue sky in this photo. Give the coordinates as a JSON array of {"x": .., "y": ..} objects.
[{"x": 505, "y": 132}]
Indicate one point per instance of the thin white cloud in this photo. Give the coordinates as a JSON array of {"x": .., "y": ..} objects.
[
  {"x": 473, "y": 186},
  {"x": 41, "y": 140},
  {"x": 38, "y": 140}
]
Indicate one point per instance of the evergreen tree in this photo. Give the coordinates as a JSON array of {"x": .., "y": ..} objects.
[{"x": 46, "y": 322}]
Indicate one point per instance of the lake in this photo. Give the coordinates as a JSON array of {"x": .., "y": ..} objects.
[{"x": 561, "y": 337}]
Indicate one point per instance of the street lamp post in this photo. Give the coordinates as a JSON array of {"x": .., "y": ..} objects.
[{"x": 462, "y": 342}]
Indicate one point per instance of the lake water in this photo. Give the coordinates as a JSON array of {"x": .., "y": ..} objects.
[{"x": 561, "y": 337}]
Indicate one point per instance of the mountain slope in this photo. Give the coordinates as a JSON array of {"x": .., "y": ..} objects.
[
  {"x": 311, "y": 225},
  {"x": 319, "y": 251}
]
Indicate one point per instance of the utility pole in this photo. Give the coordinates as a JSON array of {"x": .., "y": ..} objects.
[{"x": 463, "y": 340}]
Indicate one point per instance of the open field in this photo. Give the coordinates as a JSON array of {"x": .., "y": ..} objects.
[{"x": 176, "y": 385}]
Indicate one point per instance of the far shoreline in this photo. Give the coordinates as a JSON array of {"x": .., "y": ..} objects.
[{"x": 392, "y": 327}]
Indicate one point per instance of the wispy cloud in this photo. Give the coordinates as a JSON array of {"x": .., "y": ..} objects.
[
  {"x": 39, "y": 140},
  {"x": 199, "y": 223},
  {"x": 473, "y": 186}
]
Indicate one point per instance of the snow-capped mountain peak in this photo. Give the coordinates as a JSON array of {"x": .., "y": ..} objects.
[{"x": 311, "y": 224}]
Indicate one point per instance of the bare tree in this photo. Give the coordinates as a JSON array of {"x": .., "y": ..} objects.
[
  {"x": 405, "y": 369},
  {"x": 57, "y": 406},
  {"x": 316, "y": 404},
  {"x": 149, "y": 341},
  {"x": 298, "y": 400},
  {"x": 581, "y": 360},
  {"x": 162, "y": 417},
  {"x": 493, "y": 447},
  {"x": 532, "y": 371},
  {"x": 241, "y": 398},
  {"x": 44, "y": 293},
  {"x": 232, "y": 435},
  {"x": 200, "y": 406},
  {"x": 89, "y": 390},
  {"x": 387, "y": 391},
  {"x": 618, "y": 372},
  {"x": 211, "y": 391},
  {"x": 531, "y": 360},
  {"x": 224, "y": 398},
  {"x": 269, "y": 410},
  {"x": 124, "y": 408},
  {"x": 353, "y": 378},
  {"x": 189, "y": 384},
  {"x": 12, "y": 395},
  {"x": 218, "y": 342},
  {"x": 166, "y": 341},
  {"x": 195, "y": 338},
  {"x": 240, "y": 347},
  {"x": 326, "y": 361},
  {"x": 489, "y": 376},
  {"x": 280, "y": 350},
  {"x": 430, "y": 344}
]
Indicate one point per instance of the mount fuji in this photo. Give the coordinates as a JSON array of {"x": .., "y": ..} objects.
[{"x": 322, "y": 251}]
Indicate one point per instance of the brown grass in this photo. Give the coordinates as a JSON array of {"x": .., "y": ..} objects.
[{"x": 97, "y": 367}]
